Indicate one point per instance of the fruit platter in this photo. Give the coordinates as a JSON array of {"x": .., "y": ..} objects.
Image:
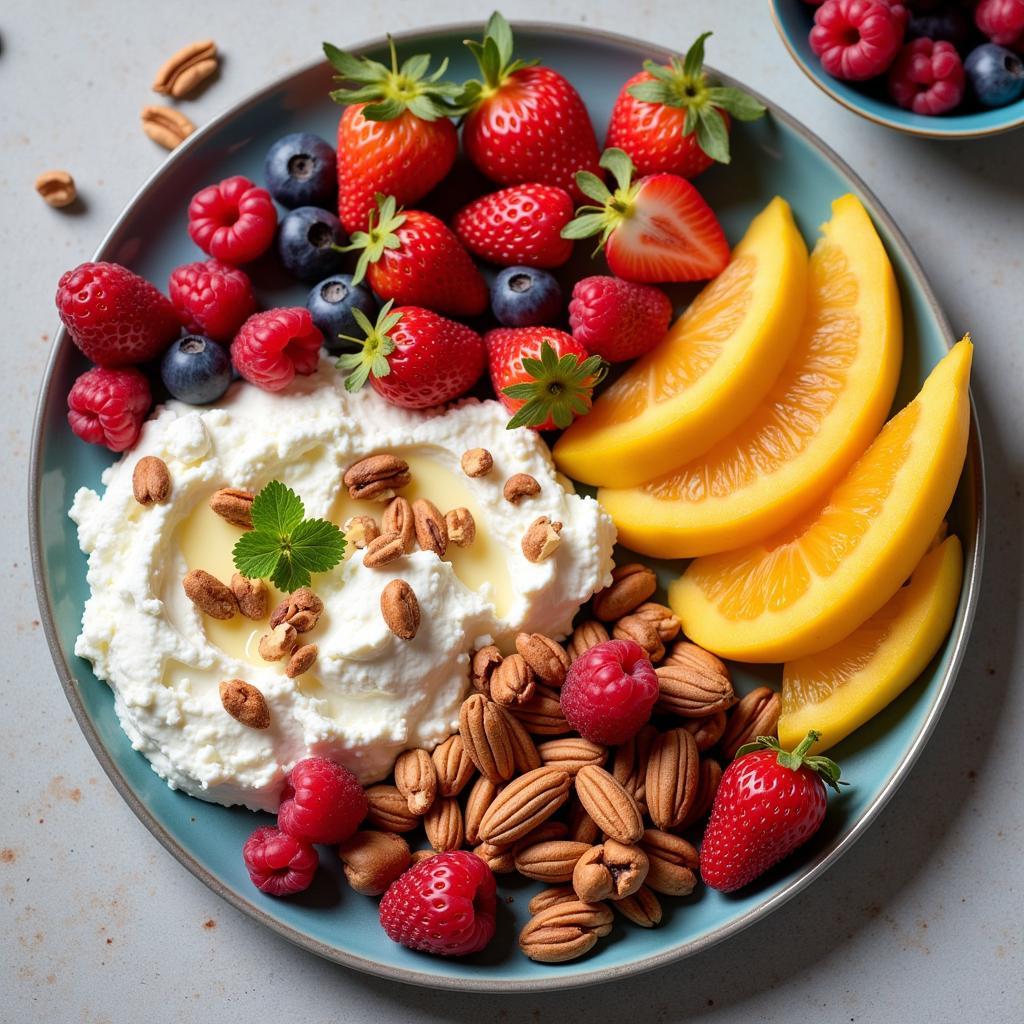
[{"x": 506, "y": 506}]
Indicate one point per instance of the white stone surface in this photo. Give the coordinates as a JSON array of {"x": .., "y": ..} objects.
[{"x": 921, "y": 922}]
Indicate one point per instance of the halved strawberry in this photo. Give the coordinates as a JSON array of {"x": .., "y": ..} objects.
[
  {"x": 543, "y": 376},
  {"x": 656, "y": 229}
]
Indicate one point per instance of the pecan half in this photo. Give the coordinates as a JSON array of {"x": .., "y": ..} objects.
[
  {"x": 429, "y": 524},
  {"x": 234, "y": 506},
  {"x": 663, "y": 619},
  {"x": 629, "y": 766},
  {"x": 166, "y": 126},
  {"x": 278, "y": 642},
  {"x": 551, "y": 898},
  {"x": 582, "y": 827},
  {"x": 542, "y": 713},
  {"x": 613, "y": 808},
  {"x": 519, "y": 486},
  {"x": 631, "y": 585},
  {"x": 373, "y": 860},
  {"x": 302, "y": 660},
  {"x": 572, "y": 753},
  {"x": 512, "y": 682},
  {"x": 551, "y": 862},
  {"x": 389, "y": 810},
  {"x": 672, "y": 772},
  {"x": 400, "y": 609},
  {"x": 383, "y": 550},
  {"x": 693, "y": 683},
  {"x": 547, "y": 832},
  {"x": 418, "y": 856},
  {"x": 482, "y": 666},
  {"x": 523, "y": 804},
  {"x": 672, "y": 863},
  {"x": 709, "y": 776},
  {"x": 476, "y": 462},
  {"x": 416, "y": 780},
  {"x": 251, "y": 596},
  {"x": 485, "y": 737},
  {"x": 376, "y": 478},
  {"x": 525, "y": 756},
  {"x": 587, "y": 634},
  {"x": 706, "y": 731},
  {"x": 360, "y": 531},
  {"x": 397, "y": 518},
  {"x": 481, "y": 796},
  {"x": 461, "y": 527},
  {"x": 609, "y": 871},
  {"x": 642, "y": 632},
  {"x": 151, "y": 481},
  {"x": 301, "y": 609},
  {"x": 500, "y": 859},
  {"x": 541, "y": 539},
  {"x": 57, "y": 188},
  {"x": 757, "y": 714},
  {"x": 453, "y": 766},
  {"x": 244, "y": 703},
  {"x": 209, "y": 595},
  {"x": 186, "y": 69},
  {"x": 443, "y": 824},
  {"x": 643, "y": 908},
  {"x": 545, "y": 657},
  {"x": 564, "y": 931}
]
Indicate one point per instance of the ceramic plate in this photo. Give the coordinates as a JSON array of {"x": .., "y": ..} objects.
[{"x": 773, "y": 156}]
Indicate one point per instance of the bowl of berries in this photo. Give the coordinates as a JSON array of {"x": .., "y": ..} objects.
[{"x": 943, "y": 69}]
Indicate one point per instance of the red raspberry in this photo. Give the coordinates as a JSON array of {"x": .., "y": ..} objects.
[
  {"x": 271, "y": 348},
  {"x": 609, "y": 692},
  {"x": 322, "y": 802},
  {"x": 114, "y": 316},
  {"x": 212, "y": 298},
  {"x": 444, "y": 905},
  {"x": 233, "y": 221},
  {"x": 109, "y": 406},
  {"x": 856, "y": 39},
  {"x": 1001, "y": 20},
  {"x": 279, "y": 864},
  {"x": 927, "y": 77},
  {"x": 618, "y": 319}
]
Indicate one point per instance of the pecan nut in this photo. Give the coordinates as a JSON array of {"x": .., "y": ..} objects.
[
  {"x": 234, "y": 506},
  {"x": 482, "y": 666},
  {"x": 552, "y": 861},
  {"x": 251, "y": 596},
  {"x": 376, "y": 478},
  {"x": 278, "y": 642},
  {"x": 186, "y": 69},
  {"x": 525, "y": 756},
  {"x": 443, "y": 824},
  {"x": 524, "y": 804},
  {"x": 551, "y": 897},
  {"x": 481, "y": 796},
  {"x": 301, "y": 609},
  {"x": 461, "y": 527},
  {"x": 614, "y": 810},
  {"x": 545, "y": 657},
  {"x": 209, "y": 595},
  {"x": 302, "y": 660},
  {"x": 542, "y": 713},
  {"x": 389, "y": 810},
  {"x": 416, "y": 780},
  {"x": 693, "y": 683},
  {"x": 631, "y": 585},
  {"x": 166, "y": 126},
  {"x": 57, "y": 188},
  {"x": 757, "y": 714},
  {"x": 476, "y": 462},
  {"x": 663, "y": 619},
  {"x": 245, "y": 704},
  {"x": 642, "y": 632},
  {"x": 629, "y": 766},
  {"x": 360, "y": 531},
  {"x": 564, "y": 931},
  {"x": 373, "y": 860},
  {"x": 643, "y": 908},
  {"x": 398, "y": 519},
  {"x": 500, "y": 859},
  {"x": 587, "y": 634},
  {"x": 383, "y": 550},
  {"x": 610, "y": 871},
  {"x": 429, "y": 524},
  {"x": 512, "y": 682},
  {"x": 151, "y": 481},
  {"x": 546, "y": 832},
  {"x": 541, "y": 539},
  {"x": 672, "y": 773},
  {"x": 672, "y": 863},
  {"x": 710, "y": 775},
  {"x": 572, "y": 753},
  {"x": 706, "y": 731},
  {"x": 453, "y": 766},
  {"x": 400, "y": 609},
  {"x": 582, "y": 827},
  {"x": 485, "y": 736},
  {"x": 519, "y": 486}
]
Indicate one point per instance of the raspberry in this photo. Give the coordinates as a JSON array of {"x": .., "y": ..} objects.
[
  {"x": 271, "y": 348},
  {"x": 279, "y": 864},
  {"x": 444, "y": 905},
  {"x": 927, "y": 77},
  {"x": 212, "y": 298},
  {"x": 114, "y": 316},
  {"x": 609, "y": 692},
  {"x": 618, "y": 319},
  {"x": 856, "y": 39},
  {"x": 109, "y": 406},
  {"x": 233, "y": 221},
  {"x": 322, "y": 802},
  {"x": 1001, "y": 20}
]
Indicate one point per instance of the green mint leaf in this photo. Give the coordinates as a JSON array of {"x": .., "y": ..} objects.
[
  {"x": 256, "y": 554},
  {"x": 738, "y": 103},
  {"x": 317, "y": 545},
  {"x": 277, "y": 509},
  {"x": 288, "y": 576}
]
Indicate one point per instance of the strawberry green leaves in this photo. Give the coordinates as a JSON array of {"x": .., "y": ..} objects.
[
  {"x": 683, "y": 83},
  {"x": 494, "y": 54},
  {"x": 560, "y": 388},
  {"x": 604, "y": 217},
  {"x": 283, "y": 545},
  {"x": 375, "y": 347},
  {"x": 383, "y": 224},
  {"x": 798, "y": 757}
]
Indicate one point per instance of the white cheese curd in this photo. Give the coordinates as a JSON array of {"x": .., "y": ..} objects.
[{"x": 369, "y": 694}]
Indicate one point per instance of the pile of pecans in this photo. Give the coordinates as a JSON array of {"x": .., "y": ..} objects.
[{"x": 602, "y": 827}]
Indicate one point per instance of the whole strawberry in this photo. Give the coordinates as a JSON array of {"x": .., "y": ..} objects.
[
  {"x": 670, "y": 118},
  {"x": 769, "y": 802},
  {"x": 524, "y": 122},
  {"x": 618, "y": 319},
  {"x": 518, "y": 226},
  {"x": 543, "y": 376},
  {"x": 395, "y": 136},
  {"x": 114, "y": 316},
  {"x": 412, "y": 257},
  {"x": 414, "y": 357},
  {"x": 445, "y": 905}
]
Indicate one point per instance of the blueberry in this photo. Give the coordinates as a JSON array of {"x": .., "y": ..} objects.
[
  {"x": 306, "y": 242},
  {"x": 331, "y": 303},
  {"x": 525, "y": 297},
  {"x": 950, "y": 23},
  {"x": 996, "y": 75},
  {"x": 301, "y": 170},
  {"x": 196, "y": 370}
]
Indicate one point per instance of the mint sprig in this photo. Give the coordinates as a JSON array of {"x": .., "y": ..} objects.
[{"x": 283, "y": 545}]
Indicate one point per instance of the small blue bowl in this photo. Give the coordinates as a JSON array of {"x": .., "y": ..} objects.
[{"x": 794, "y": 19}]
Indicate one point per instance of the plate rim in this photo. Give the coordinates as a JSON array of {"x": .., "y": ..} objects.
[{"x": 970, "y": 588}]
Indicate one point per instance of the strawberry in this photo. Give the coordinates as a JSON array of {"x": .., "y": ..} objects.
[
  {"x": 414, "y": 357},
  {"x": 655, "y": 229},
  {"x": 670, "y": 118},
  {"x": 543, "y": 376},
  {"x": 520, "y": 226},
  {"x": 769, "y": 802},
  {"x": 524, "y": 122},
  {"x": 412, "y": 257},
  {"x": 395, "y": 136}
]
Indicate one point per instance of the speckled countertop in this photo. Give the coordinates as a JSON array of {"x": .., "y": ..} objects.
[{"x": 921, "y": 922}]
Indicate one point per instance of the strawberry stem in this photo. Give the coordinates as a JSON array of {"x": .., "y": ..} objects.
[
  {"x": 378, "y": 237},
  {"x": 560, "y": 388},
  {"x": 613, "y": 207},
  {"x": 798, "y": 757},
  {"x": 374, "y": 348},
  {"x": 495, "y": 56}
]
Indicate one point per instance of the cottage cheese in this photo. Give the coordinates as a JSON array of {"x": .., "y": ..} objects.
[{"x": 370, "y": 695}]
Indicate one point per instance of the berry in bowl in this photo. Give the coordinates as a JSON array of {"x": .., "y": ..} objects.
[{"x": 946, "y": 69}]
